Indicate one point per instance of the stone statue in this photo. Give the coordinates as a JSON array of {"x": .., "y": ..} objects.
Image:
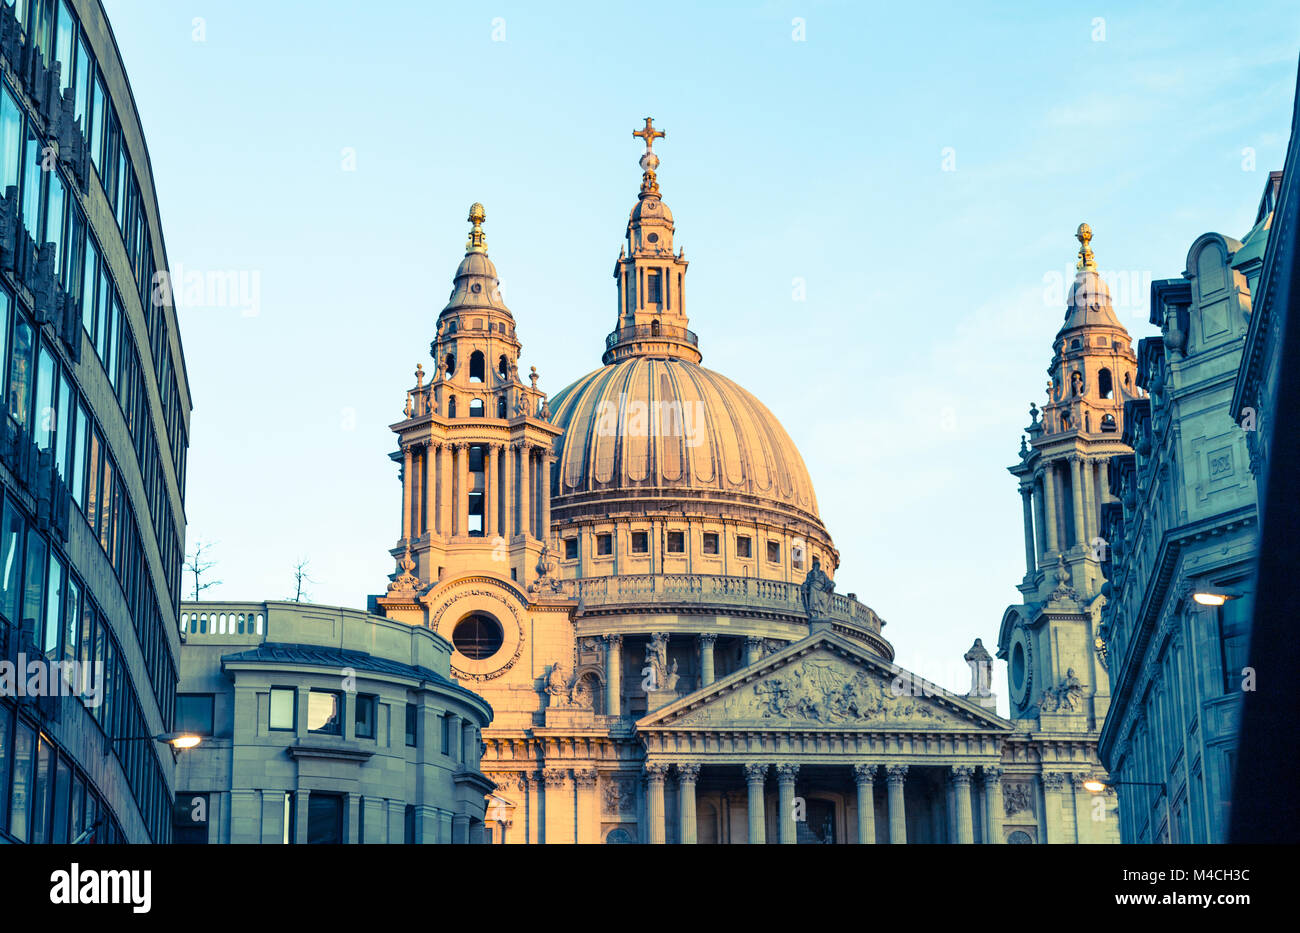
[
  {"x": 1070, "y": 691},
  {"x": 981, "y": 669},
  {"x": 545, "y": 579},
  {"x": 662, "y": 676},
  {"x": 557, "y": 686},
  {"x": 816, "y": 592}
]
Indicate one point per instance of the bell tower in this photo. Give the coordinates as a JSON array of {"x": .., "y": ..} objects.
[
  {"x": 1056, "y": 671},
  {"x": 651, "y": 279},
  {"x": 474, "y": 447}
]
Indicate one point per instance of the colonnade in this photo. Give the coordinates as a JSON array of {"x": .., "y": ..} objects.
[
  {"x": 513, "y": 478},
  {"x": 1044, "y": 501}
]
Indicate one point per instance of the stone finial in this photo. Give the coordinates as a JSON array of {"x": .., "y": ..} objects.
[
  {"x": 532, "y": 375},
  {"x": 419, "y": 375},
  {"x": 477, "y": 242},
  {"x": 1086, "y": 258}
]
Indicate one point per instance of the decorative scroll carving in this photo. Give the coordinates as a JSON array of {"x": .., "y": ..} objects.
[
  {"x": 864, "y": 774},
  {"x": 756, "y": 773},
  {"x": 688, "y": 773}
]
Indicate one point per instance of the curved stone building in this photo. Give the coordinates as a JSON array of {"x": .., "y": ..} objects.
[
  {"x": 635, "y": 573},
  {"x": 92, "y": 446}
]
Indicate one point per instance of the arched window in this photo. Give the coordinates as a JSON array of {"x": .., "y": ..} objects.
[
  {"x": 1104, "y": 384},
  {"x": 501, "y": 406},
  {"x": 451, "y": 363},
  {"x": 654, "y": 328},
  {"x": 1108, "y": 423},
  {"x": 476, "y": 408},
  {"x": 451, "y": 407},
  {"x": 503, "y": 366},
  {"x": 476, "y": 366}
]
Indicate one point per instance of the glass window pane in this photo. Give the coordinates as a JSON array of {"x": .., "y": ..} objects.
[
  {"x": 53, "y": 609},
  {"x": 20, "y": 372},
  {"x": 324, "y": 819},
  {"x": 365, "y": 717},
  {"x": 6, "y": 755},
  {"x": 41, "y": 793},
  {"x": 32, "y": 177},
  {"x": 72, "y": 621},
  {"x": 52, "y": 230},
  {"x": 194, "y": 713},
  {"x": 11, "y": 135},
  {"x": 282, "y": 708},
  {"x": 21, "y": 797},
  {"x": 62, "y": 788},
  {"x": 65, "y": 30},
  {"x": 11, "y": 557},
  {"x": 62, "y": 427},
  {"x": 34, "y": 586},
  {"x": 88, "y": 287},
  {"x": 110, "y": 362},
  {"x": 78, "y": 480},
  {"x": 84, "y": 76},
  {"x": 44, "y": 399},
  {"x": 101, "y": 313},
  {"x": 323, "y": 708},
  {"x": 97, "y": 99}
]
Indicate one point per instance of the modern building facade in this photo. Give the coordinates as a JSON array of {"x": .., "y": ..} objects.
[
  {"x": 92, "y": 446},
  {"x": 635, "y": 574},
  {"x": 1183, "y": 520},
  {"x": 324, "y": 725}
]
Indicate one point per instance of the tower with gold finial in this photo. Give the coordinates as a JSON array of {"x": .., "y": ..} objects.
[
  {"x": 1050, "y": 641},
  {"x": 474, "y": 447},
  {"x": 651, "y": 279}
]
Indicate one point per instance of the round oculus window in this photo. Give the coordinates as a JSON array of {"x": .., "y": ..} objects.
[
  {"x": 653, "y": 238},
  {"x": 476, "y": 288},
  {"x": 1018, "y": 666},
  {"x": 477, "y": 637}
]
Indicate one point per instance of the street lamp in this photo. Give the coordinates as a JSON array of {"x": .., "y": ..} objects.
[
  {"x": 177, "y": 740},
  {"x": 1216, "y": 597},
  {"x": 1097, "y": 785}
]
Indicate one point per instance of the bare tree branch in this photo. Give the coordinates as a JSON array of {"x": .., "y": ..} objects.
[{"x": 199, "y": 563}]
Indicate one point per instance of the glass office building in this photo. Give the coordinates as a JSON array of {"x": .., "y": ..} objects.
[{"x": 93, "y": 440}]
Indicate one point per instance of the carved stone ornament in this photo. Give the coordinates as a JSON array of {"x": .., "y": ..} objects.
[
  {"x": 620, "y": 796},
  {"x": 502, "y": 596},
  {"x": 1017, "y": 798},
  {"x": 406, "y": 583}
]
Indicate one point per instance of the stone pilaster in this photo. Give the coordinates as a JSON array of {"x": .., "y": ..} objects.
[
  {"x": 993, "y": 808},
  {"x": 1076, "y": 498},
  {"x": 559, "y": 806},
  {"x": 588, "y": 806},
  {"x": 961, "y": 782},
  {"x": 1049, "y": 501}
]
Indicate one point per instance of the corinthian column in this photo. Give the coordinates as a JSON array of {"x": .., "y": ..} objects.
[
  {"x": 1076, "y": 496},
  {"x": 1026, "y": 500},
  {"x": 613, "y": 674},
  {"x": 687, "y": 775},
  {"x": 1090, "y": 516},
  {"x": 753, "y": 649},
  {"x": 865, "y": 776},
  {"x": 1049, "y": 500},
  {"x": 755, "y": 775},
  {"x": 544, "y": 496},
  {"x": 462, "y": 489},
  {"x": 785, "y": 777},
  {"x": 706, "y": 658},
  {"x": 993, "y": 805},
  {"x": 895, "y": 775},
  {"x": 444, "y": 489},
  {"x": 961, "y": 778},
  {"x": 491, "y": 487},
  {"x": 408, "y": 480},
  {"x": 654, "y": 808},
  {"x": 525, "y": 481}
]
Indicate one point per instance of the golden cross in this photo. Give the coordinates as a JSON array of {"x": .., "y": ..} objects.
[{"x": 649, "y": 134}]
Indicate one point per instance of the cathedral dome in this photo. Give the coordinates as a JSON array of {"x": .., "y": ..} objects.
[
  {"x": 651, "y": 208},
  {"x": 656, "y": 428}
]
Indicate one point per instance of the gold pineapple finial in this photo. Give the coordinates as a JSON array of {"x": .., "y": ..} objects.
[
  {"x": 649, "y": 161},
  {"x": 1084, "y": 236},
  {"x": 477, "y": 242}
]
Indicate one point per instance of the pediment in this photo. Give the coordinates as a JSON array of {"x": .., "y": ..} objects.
[{"x": 824, "y": 682}]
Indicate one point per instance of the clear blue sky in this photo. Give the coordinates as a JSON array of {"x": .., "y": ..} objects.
[{"x": 904, "y": 377}]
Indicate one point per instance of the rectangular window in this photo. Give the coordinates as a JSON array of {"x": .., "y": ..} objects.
[
  {"x": 41, "y": 788},
  {"x": 6, "y": 754},
  {"x": 62, "y": 788},
  {"x": 324, "y": 819},
  {"x": 190, "y": 819},
  {"x": 325, "y": 712},
  {"x": 97, "y": 119},
  {"x": 72, "y": 620},
  {"x": 604, "y": 544},
  {"x": 20, "y": 798},
  {"x": 62, "y": 427},
  {"x": 676, "y": 542},
  {"x": 570, "y": 548},
  {"x": 52, "y": 231},
  {"x": 194, "y": 713},
  {"x": 11, "y": 562},
  {"x": 408, "y": 829},
  {"x": 1234, "y": 640},
  {"x": 774, "y": 551},
  {"x": 743, "y": 546},
  {"x": 84, "y": 76},
  {"x": 44, "y": 399},
  {"x": 92, "y": 483},
  {"x": 103, "y": 305},
  {"x": 365, "y": 716},
  {"x": 710, "y": 542},
  {"x": 90, "y": 275},
  {"x": 32, "y": 177},
  {"x": 78, "y": 479},
  {"x": 290, "y": 821},
  {"x": 11, "y": 137},
  {"x": 446, "y": 733},
  {"x": 411, "y": 721},
  {"x": 653, "y": 290},
  {"x": 34, "y": 586},
  {"x": 284, "y": 709},
  {"x": 640, "y": 542},
  {"x": 20, "y": 371},
  {"x": 53, "y": 609}
]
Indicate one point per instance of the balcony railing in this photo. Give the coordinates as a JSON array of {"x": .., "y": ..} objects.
[{"x": 650, "y": 331}]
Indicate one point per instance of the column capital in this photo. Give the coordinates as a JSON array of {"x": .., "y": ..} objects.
[
  {"x": 864, "y": 773},
  {"x": 896, "y": 774},
  {"x": 754, "y": 641},
  {"x": 585, "y": 777},
  {"x": 787, "y": 772},
  {"x": 993, "y": 774},
  {"x": 1055, "y": 781},
  {"x": 962, "y": 774},
  {"x": 613, "y": 641},
  {"x": 688, "y": 773},
  {"x": 460, "y": 445},
  {"x": 555, "y": 777},
  {"x": 707, "y": 639},
  {"x": 655, "y": 771},
  {"x": 756, "y": 773}
]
